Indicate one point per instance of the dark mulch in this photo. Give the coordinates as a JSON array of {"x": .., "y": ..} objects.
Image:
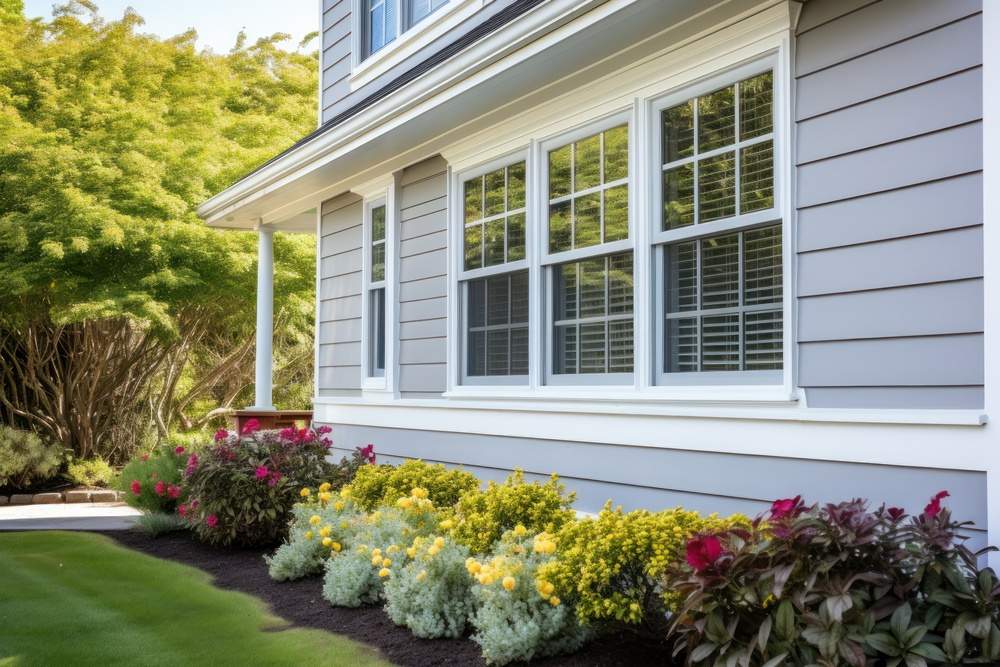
[{"x": 301, "y": 604}]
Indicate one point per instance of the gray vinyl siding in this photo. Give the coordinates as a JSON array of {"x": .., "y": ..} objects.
[
  {"x": 340, "y": 296},
  {"x": 654, "y": 478},
  {"x": 338, "y": 23},
  {"x": 423, "y": 279},
  {"x": 889, "y": 198}
]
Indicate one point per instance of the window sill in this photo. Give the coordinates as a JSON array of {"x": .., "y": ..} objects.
[
  {"x": 610, "y": 394},
  {"x": 420, "y": 35}
]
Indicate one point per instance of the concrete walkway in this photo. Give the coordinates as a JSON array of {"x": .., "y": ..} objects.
[{"x": 82, "y": 516}]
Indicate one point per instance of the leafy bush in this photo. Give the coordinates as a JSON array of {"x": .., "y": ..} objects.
[
  {"x": 319, "y": 527},
  {"x": 242, "y": 490},
  {"x": 482, "y": 517},
  {"x": 385, "y": 484},
  {"x": 611, "y": 568},
  {"x": 153, "y": 482},
  {"x": 159, "y": 523},
  {"x": 839, "y": 584},
  {"x": 91, "y": 472},
  {"x": 26, "y": 459},
  {"x": 430, "y": 594},
  {"x": 518, "y": 616}
]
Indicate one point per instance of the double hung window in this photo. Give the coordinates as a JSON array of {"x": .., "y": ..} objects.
[
  {"x": 385, "y": 20},
  {"x": 375, "y": 294}
]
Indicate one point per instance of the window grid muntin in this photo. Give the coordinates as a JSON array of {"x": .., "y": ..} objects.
[
  {"x": 600, "y": 189},
  {"x": 486, "y": 327},
  {"x": 698, "y": 314},
  {"x": 697, "y": 157},
  {"x": 578, "y": 322},
  {"x": 483, "y": 220}
]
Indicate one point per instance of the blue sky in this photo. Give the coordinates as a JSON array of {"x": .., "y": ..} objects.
[{"x": 217, "y": 21}]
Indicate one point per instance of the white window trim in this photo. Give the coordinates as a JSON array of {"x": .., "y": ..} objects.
[
  {"x": 408, "y": 40},
  {"x": 676, "y": 73},
  {"x": 379, "y": 193}
]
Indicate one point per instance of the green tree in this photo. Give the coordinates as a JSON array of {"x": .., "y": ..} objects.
[{"x": 119, "y": 308}]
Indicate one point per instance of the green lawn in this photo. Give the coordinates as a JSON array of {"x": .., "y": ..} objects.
[{"x": 79, "y": 599}]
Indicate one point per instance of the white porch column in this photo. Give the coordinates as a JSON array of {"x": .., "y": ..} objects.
[{"x": 265, "y": 319}]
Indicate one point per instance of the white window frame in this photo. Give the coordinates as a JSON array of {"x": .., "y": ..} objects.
[
  {"x": 549, "y": 260},
  {"x": 381, "y": 193},
  {"x": 459, "y": 275},
  {"x": 660, "y": 239}
]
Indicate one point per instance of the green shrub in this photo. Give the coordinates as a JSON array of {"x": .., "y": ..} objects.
[
  {"x": 153, "y": 482},
  {"x": 430, "y": 594},
  {"x": 91, "y": 472},
  {"x": 481, "y": 517},
  {"x": 319, "y": 528},
  {"x": 241, "y": 491},
  {"x": 611, "y": 568},
  {"x": 518, "y": 617},
  {"x": 385, "y": 484},
  {"x": 158, "y": 523},
  {"x": 26, "y": 459}
]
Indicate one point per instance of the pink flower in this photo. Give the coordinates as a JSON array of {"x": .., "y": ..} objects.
[
  {"x": 178, "y": 450},
  {"x": 262, "y": 472},
  {"x": 221, "y": 435},
  {"x": 274, "y": 478},
  {"x": 896, "y": 513},
  {"x": 182, "y": 509},
  {"x": 136, "y": 487},
  {"x": 933, "y": 508},
  {"x": 174, "y": 491},
  {"x": 160, "y": 488},
  {"x": 323, "y": 430},
  {"x": 211, "y": 521},
  {"x": 367, "y": 453},
  {"x": 288, "y": 434},
  {"x": 250, "y": 426},
  {"x": 703, "y": 552},
  {"x": 192, "y": 465},
  {"x": 784, "y": 507}
]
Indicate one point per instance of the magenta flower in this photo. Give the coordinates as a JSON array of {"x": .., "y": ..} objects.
[
  {"x": 250, "y": 426},
  {"x": 192, "y": 465},
  {"x": 160, "y": 488},
  {"x": 703, "y": 552},
  {"x": 174, "y": 491},
  {"x": 136, "y": 487},
  {"x": 178, "y": 449},
  {"x": 274, "y": 478},
  {"x": 211, "y": 521},
  {"x": 323, "y": 430},
  {"x": 896, "y": 513},
  {"x": 262, "y": 472},
  {"x": 784, "y": 507},
  {"x": 933, "y": 508},
  {"x": 221, "y": 435},
  {"x": 367, "y": 453},
  {"x": 182, "y": 509}
]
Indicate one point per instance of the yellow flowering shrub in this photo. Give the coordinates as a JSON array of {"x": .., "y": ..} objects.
[
  {"x": 481, "y": 517},
  {"x": 320, "y": 527},
  {"x": 610, "y": 567},
  {"x": 376, "y": 485},
  {"x": 430, "y": 594},
  {"x": 518, "y": 615}
]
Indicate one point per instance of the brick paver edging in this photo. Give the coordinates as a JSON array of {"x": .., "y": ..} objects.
[{"x": 58, "y": 497}]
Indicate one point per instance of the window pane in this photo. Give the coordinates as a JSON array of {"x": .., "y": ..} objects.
[
  {"x": 494, "y": 242},
  {"x": 587, "y": 163},
  {"x": 682, "y": 278},
  {"x": 720, "y": 343},
  {"x": 587, "y": 220},
  {"x": 592, "y": 348},
  {"x": 678, "y": 197},
  {"x": 564, "y": 357},
  {"x": 376, "y": 30},
  {"x": 515, "y": 237},
  {"x": 620, "y": 281},
  {"x": 762, "y": 334},
  {"x": 378, "y": 262},
  {"x": 378, "y": 223},
  {"x": 717, "y": 187},
  {"x": 473, "y": 247},
  {"x": 592, "y": 287},
  {"x": 519, "y": 297},
  {"x": 566, "y": 289},
  {"x": 720, "y": 272},
  {"x": 391, "y": 12},
  {"x": 762, "y": 266},
  {"x": 495, "y": 192},
  {"x": 616, "y": 213},
  {"x": 756, "y": 97},
  {"x": 376, "y": 360},
  {"x": 757, "y": 177},
  {"x": 477, "y": 303},
  {"x": 476, "y": 363},
  {"x": 497, "y": 352},
  {"x": 515, "y": 186},
  {"x": 716, "y": 120},
  {"x": 474, "y": 200},
  {"x": 497, "y": 300},
  {"x": 559, "y": 172},
  {"x": 560, "y": 232},
  {"x": 519, "y": 351},
  {"x": 615, "y": 154},
  {"x": 682, "y": 345},
  {"x": 621, "y": 342},
  {"x": 678, "y": 132}
]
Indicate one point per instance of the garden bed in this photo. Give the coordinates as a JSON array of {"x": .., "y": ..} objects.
[{"x": 302, "y": 605}]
